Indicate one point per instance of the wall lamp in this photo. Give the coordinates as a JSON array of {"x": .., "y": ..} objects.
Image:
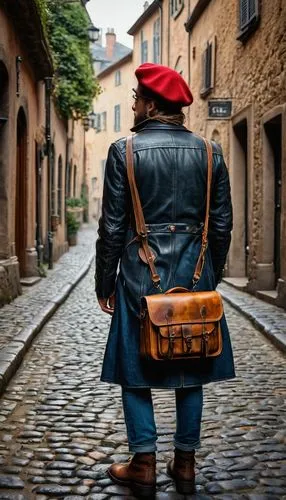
[
  {"x": 93, "y": 33},
  {"x": 89, "y": 121}
]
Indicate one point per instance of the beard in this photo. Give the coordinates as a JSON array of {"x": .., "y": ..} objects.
[{"x": 139, "y": 117}]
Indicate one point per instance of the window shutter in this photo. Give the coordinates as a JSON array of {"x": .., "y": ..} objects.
[
  {"x": 117, "y": 118},
  {"x": 209, "y": 66},
  {"x": 98, "y": 126},
  {"x": 243, "y": 13},
  {"x": 252, "y": 9}
]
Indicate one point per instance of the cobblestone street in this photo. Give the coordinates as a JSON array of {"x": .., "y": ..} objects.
[{"x": 61, "y": 427}]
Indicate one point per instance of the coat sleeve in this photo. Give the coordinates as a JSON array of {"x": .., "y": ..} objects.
[
  {"x": 112, "y": 223},
  {"x": 220, "y": 222}
]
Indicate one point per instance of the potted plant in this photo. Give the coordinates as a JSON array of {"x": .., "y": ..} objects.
[
  {"x": 72, "y": 228},
  {"x": 74, "y": 206}
]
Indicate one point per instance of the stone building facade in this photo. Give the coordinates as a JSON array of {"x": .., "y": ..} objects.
[
  {"x": 32, "y": 184},
  {"x": 233, "y": 54},
  {"x": 238, "y": 77},
  {"x": 114, "y": 116}
]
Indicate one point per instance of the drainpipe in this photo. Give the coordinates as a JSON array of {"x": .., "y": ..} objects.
[{"x": 48, "y": 89}]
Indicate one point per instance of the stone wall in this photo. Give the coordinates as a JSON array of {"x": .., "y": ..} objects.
[{"x": 253, "y": 75}]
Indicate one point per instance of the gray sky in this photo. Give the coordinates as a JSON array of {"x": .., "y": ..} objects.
[{"x": 117, "y": 14}]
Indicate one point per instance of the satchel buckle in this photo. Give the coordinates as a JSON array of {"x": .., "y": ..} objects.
[
  {"x": 171, "y": 338},
  {"x": 188, "y": 341}
]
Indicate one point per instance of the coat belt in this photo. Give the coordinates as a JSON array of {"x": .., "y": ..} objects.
[{"x": 175, "y": 228}]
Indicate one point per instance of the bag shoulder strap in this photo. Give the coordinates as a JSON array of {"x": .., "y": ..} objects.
[
  {"x": 140, "y": 221},
  {"x": 138, "y": 213}
]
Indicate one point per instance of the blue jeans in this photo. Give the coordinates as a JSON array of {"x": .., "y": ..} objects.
[{"x": 140, "y": 422}]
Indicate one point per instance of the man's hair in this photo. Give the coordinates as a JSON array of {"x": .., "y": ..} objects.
[{"x": 168, "y": 112}]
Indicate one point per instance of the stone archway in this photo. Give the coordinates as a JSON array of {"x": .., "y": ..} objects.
[{"x": 21, "y": 191}]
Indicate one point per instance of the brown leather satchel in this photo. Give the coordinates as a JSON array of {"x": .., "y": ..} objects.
[{"x": 178, "y": 324}]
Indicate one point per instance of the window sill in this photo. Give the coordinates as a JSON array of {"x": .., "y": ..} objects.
[{"x": 205, "y": 92}]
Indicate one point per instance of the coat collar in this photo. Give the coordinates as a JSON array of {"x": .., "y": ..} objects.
[{"x": 149, "y": 124}]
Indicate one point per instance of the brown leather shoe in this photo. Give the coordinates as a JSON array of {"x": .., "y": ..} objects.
[
  {"x": 182, "y": 470},
  {"x": 139, "y": 474}
]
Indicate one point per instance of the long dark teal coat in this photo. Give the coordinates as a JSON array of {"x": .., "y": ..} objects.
[{"x": 171, "y": 175}]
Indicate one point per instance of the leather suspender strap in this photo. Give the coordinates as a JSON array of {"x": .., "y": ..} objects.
[
  {"x": 140, "y": 221},
  {"x": 138, "y": 213},
  {"x": 201, "y": 259}
]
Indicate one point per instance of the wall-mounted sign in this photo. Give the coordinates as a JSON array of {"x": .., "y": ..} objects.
[{"x": 220, "y": 109}]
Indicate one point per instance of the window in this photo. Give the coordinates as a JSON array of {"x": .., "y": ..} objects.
[
  {"x": 93, "y": 184},
  {"x": 179, "y": 65},
  {"x": 53, "y": 179},
  {"x": 144, "y": 49},
  {"x": 176, "y": 7},
  {"x": 117, "y": 78},
  {"x": 103, "y": 162},
  {"x": 156, "y": 42},
  {"x": 248, "y": 17},
  {"x": 117, "y": 118},
  {"x": 98, "y": 122},
  {"x": 74, "y": 180},
  {"x": 208, "y": 68},
  {"x": 103, "y": 120},
  {"x": 68, "y": 180},
  {"x": 60, "y": 187}
]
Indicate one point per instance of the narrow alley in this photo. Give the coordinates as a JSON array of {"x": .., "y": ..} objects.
[{"x": 61, "y": 428}]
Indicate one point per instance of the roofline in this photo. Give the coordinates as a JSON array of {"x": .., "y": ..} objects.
[
  {"x": 115, "y": 65},
  {"x": 143, "y": 18},
  {"x": 201, "y": 5},
  {"x": 29, "y": 30}
]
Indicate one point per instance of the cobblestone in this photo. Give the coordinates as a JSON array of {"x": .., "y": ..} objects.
[
  {"x": 60, "y": 428},
  {"x": 21, "y": 320},
  {"x": 24, "y": 309}
]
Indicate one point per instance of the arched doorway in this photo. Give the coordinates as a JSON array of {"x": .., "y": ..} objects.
[
  {"x": 4, "y": 144},
  {"x": 21, "y": 191}
]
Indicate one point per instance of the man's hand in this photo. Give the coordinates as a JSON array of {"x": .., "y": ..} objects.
[{"x": 107, "y": 305}]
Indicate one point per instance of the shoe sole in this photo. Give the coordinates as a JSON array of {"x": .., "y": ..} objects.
[
  {"x": 182, "y": 487},
  {"x": 139, "y": 490}
]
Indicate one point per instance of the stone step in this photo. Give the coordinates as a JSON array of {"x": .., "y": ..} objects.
[
  {"x": 269, "y": 296},
  {"x": 238, "y": 283},
  {"x": 30, "y": 281}
]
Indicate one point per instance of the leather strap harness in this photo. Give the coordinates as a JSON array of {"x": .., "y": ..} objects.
[{"x": 141, "y": 229}]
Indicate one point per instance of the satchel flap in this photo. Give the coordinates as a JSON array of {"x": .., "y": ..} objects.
[
  {"x": 186, "y": 330},
  {"x": 187, "y": 308}
]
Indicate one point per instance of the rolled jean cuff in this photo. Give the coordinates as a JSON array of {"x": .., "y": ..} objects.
[
  {"x": 143, "y": 448},
  {"x": 187, "y": 447}
]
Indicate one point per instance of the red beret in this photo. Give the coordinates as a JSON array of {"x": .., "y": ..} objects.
[{"x": 164, "y": 82}]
